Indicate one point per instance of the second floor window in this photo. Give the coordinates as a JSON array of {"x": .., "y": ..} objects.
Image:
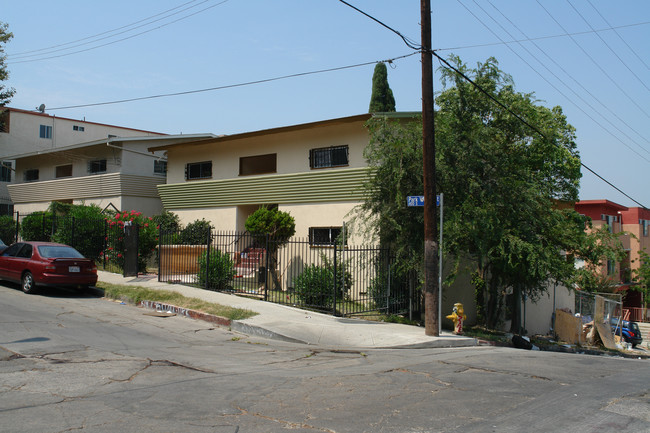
[
  {"x": 159, "y": 166},
  {"x": 97, "y": 166},
  {"x": 45, "y": 131},
  {"x": 611, "y": 267},
  {"x": 258, "y": 164},
  {"x": 198, "y": 170},
  {"x": 644, "y": 226},
  {"x": 5, "y": 171},
  {"x": 63, "y": 171},
  {"x": 335, "y": 156},
  {"x": 31, "y": 175},
  {"x": 609, "y": 220}
]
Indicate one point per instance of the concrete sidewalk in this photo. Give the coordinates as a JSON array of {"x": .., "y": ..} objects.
[{"x": 301, "y": 326}]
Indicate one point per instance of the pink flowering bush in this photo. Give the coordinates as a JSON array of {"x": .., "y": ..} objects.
[{"x": 147, "y": 237}]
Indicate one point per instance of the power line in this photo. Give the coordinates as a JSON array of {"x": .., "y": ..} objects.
[
  {"x": 579, "y": 84},
  {"x": 561, "y": 35},
  {"x": 610, "y": 48},
  {"x": 558, "y": 78},
  {"x": 480, "y": 89},
  {"x": 465, "y": 77},
  {"x": 409, "y": 42},
  {"x": 122, "y": 39},
  {"x": 595, "y": 62},
  {"x": 230, "y": 86},
  {"x": 619, "y": 36},
  {"x": 20, "y": 54}
]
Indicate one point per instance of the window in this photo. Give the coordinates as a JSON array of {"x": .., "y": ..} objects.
[
  {"x": 644, "y": 226},
  {"x": 258, "y": 164},
  {"x": 6, "y": 209},
  {"x": 97, "y": 166},
  {"x": 324, "y": 236},
  {"x": 198, "y": 170},
  {"x": 335, "y": 156},
  {"x": 13, "y": 250},
  {"x": 610, "y": 220},
  {"x": 159, "y": 167},
  {"x": 63, "y": 171},
  {"x": 5, "y": 171},
  {"x": 31, "y": 175},
  {"x": 611, "y": 267},
  {"x": 78, "y": 128},
  {"x": 45, "y": 131}
]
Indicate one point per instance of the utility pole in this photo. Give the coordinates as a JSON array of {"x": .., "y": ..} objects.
[{"x": 431, "y": 287}]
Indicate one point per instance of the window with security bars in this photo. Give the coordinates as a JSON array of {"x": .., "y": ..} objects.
[
  {"x": 97, "y": 166},
  {"x": 324, "y": 236},
  {"x": 335, "y": 156},
  {"x": 198, "y": 170}
]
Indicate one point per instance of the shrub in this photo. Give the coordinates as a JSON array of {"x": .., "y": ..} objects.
[
  {"x": 147, "y": 237},
  {"x": 196, "y": 233},
  {"x": 7, "y": 229},
  {"x": 82, "y": 228},
  {"x": 167, "y": 221},
  {"x": 315, "y": 285},
  {"x": 37, "y": 226},
  {"x": 219, "y": 271}
]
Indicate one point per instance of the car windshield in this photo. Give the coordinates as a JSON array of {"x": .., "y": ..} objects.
[{"x": 50, "y": 251}]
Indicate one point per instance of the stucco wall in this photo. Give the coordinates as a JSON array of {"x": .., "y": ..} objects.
[
  {"x": 292, "y": 149},
  {"x": 539, "y": 314}
]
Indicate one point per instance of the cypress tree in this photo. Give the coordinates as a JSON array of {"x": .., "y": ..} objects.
[{"x": 382, "y": 99}]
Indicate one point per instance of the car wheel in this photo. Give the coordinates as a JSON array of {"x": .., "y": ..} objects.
[{"x": 28, "y": 283}]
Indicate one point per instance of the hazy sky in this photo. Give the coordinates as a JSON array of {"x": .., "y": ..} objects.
[{"x": 591, "y": 57}]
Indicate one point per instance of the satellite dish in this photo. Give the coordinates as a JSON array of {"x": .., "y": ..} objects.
[{"x": 41, "y": 108}]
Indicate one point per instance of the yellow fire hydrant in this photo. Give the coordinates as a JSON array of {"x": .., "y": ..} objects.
[{"x": 458, "y": 317}]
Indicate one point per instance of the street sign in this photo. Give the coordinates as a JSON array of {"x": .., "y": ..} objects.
[{"x": 418, "y": 200}]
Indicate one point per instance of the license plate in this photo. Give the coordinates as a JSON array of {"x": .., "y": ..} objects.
[{"x": 74, "y": 269}]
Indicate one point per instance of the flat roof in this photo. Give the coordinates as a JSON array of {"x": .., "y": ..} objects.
[
  {"x": 278, "y": 130},
  {"x": 112, "y": 140}
]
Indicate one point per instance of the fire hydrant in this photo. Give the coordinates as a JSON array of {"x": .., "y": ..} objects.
[{"x": 458, "y": 317}]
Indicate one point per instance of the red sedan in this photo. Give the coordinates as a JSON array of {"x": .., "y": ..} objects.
[{"x": 46, "y": 264}]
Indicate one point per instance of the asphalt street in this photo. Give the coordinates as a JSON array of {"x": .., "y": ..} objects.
[{"x": 71, "y": 362}]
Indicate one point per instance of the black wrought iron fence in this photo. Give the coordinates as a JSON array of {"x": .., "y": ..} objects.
[{"x": 342, "y": 280}]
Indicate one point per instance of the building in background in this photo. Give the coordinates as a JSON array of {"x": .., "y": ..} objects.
[
  {"x": 30, "y": 132},
  {"x": 633, "y": 225},
  {"x": 116, "y": 172}
]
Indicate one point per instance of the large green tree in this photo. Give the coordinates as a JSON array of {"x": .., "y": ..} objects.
[
  {"x": 503, "y": 184},
  {"x": 381, "y": 99},
  {"x": 5, "y": 93}
]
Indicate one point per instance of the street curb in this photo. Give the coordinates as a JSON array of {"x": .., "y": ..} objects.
[
  {"x": 248, "y": 329},
  {"x": 186, "y": 312},
  {"x": 234, "y": 325}
]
